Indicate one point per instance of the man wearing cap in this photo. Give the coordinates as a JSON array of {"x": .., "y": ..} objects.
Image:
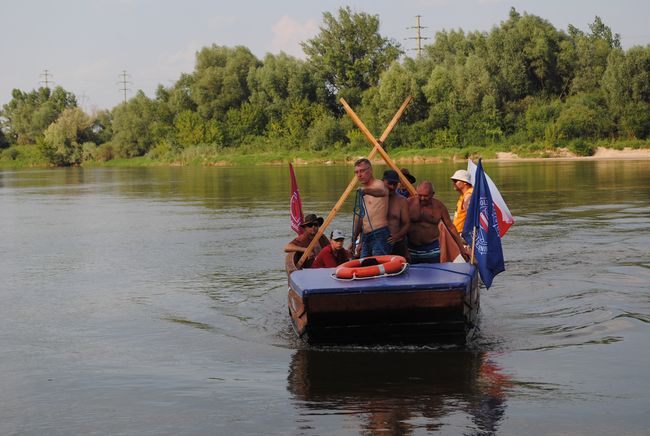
[
  {"x": 425, "y": 213},
  {"x": 301, "y": 242},
  {"x": 401, "y": 190},
  {"x": 463, "y": 184},
  {"x": 334, "y": 254},
  {"x": 374, "y": 240},
  {"x": 398, "y": 215}
]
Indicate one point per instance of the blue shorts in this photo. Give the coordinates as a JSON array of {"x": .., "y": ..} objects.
[
  {"x": 428, "y": 253},
  {"x": 375, "y": 243}
]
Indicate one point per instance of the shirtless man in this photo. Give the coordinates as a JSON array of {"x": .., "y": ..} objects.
[
  {"x": 398, "y": 214},
  {"x": 425, "y": 213},
  {"x": 374, "y": 240}
]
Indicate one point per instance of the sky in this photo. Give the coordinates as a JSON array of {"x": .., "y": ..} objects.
[{"x": 89, "y": 46}]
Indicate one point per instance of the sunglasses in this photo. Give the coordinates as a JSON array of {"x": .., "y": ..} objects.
[{"x": 311, "y": 225}]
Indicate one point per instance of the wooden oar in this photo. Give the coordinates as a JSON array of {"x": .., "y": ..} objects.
[
  {"x": 353, "y": 182},
  {"x": 378, "y": 147},
  {"x": 387, "y": 158}
]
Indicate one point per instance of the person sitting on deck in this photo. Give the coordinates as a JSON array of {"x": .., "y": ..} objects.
[
  {"x": 300, "y": 243},
  {"x": 425, "y": 213},
  {"x": 334, "y": 254},
  {"x": 462, "y": 183}
]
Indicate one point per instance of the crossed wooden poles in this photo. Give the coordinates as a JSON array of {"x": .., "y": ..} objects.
[{"x": 377, "y": 148}]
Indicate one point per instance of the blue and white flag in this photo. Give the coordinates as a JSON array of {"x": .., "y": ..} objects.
[{"x": 482, "y": 216}]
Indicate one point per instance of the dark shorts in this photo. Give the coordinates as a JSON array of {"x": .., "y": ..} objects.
[
  {"x": 429, "y": 253},
  {"x": 375, "y": 243},
  {"x": 401, "y": 249}
]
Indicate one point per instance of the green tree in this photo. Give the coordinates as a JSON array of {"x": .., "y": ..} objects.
[
  {"x": 219, "y": 81},
  {"x": 137, "y": 126},
  {"x": 28, "y": 114},
  {"x": 349, "y": 54},
  {"x": 63, "y": 139}
]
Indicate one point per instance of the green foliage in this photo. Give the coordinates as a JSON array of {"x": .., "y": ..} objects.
[
  {"x": 137, "y": 125},
  {"x": 583, "y": 116},
  {"x": 192, "y": 129},
  {"x": 349, "y": 54},
  {"x": 28, "y": 114},
  {"x": 523, "y": 85},
  {"x": 63, "y": 139},
  {"x": 326, "y": 133},
  {"x": 581, "y": 147},
  {"x": 219, "y": 82}
]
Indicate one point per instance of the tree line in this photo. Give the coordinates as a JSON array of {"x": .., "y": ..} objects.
[{"x": 523, "y": 83}]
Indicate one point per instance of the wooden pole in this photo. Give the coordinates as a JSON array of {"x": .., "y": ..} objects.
[
  {"x": 378, "y": 147},
  {"x": 353, "y": 182},
  {"x": 473, "y": 244}
]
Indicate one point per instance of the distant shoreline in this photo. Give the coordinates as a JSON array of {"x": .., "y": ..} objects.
[{"x": 342, "y": 157}]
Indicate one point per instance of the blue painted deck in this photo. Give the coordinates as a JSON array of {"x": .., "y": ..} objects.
[{"x": 437, "y": 277}]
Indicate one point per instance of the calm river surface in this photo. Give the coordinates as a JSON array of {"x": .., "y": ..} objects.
[{"x": 153, "y": 301}]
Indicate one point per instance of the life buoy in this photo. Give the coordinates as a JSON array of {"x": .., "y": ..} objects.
[{"x": 390, "y": 264}]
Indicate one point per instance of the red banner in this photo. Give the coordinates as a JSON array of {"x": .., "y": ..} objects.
[{"x": 296, "y": 205}]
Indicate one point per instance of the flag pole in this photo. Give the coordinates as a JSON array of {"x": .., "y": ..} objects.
[{"x": 473, "y": 244}]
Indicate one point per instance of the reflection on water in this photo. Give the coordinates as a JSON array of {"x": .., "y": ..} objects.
[
  {"x": 397, "y": 392},
  {"x": 122, "y": 287}
]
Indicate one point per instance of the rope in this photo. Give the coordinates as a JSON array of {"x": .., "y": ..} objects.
[{"x": 359, "y": 211}]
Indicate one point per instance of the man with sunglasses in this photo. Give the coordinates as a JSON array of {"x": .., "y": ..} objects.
[
  {"x": 300, "y": 243},
  {"x": 398, "y": 214},
  {"x": 374, "y": 239}
]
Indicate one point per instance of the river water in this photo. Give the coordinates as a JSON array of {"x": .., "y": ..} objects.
[{"x": 153, "y": 301}]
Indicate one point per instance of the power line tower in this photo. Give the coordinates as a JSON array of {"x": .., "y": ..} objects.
[
  {"x": 418, "y": 35},
  {"x": 124, "y": 82},
  {"x": 46, "y": 75}
]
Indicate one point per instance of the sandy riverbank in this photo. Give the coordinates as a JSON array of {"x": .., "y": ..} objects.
[{"x": 601, "y": 153}]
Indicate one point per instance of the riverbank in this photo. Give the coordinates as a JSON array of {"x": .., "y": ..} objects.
[{"x": 28, "y": 156}]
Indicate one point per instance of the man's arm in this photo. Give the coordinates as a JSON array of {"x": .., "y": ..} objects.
[
  {"x": 414, "y": 208},
  {"x": 376, "y": 189},
  {"x": 452, "y": 229}
]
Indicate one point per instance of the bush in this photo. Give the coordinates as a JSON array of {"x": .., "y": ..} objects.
[{"x": 581, "y": 147}]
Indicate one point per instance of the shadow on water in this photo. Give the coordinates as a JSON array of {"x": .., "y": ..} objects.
[{"x": 400, "y": 392}]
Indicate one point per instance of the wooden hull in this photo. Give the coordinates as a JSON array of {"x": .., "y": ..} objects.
[{"x": 426, "y": 304}]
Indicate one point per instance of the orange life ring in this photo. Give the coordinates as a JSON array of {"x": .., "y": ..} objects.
[{"x": 352, "y": 269}]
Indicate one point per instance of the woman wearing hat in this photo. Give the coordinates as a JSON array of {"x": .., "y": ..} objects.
[
  {"x": 300, "y": 243},
  {"x": 334, "y": 254},
  {"x": 463, "y": 184}
]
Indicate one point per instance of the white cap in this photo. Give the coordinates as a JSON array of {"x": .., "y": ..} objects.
[
  {"x": 337, "y": 234},
  {"x": 463, "y": 176}
]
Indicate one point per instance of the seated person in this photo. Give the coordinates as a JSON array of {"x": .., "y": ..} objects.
[
  {"x": 334, "y": 254},
  {"x": 300, "y": 243}
]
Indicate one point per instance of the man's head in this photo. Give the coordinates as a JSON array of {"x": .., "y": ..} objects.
[
  {"x": 425, "y": 191},
  {"x": 391, "y": 179},
  {"x": 312, "y": 223},
  {"x": 461, "y": 180},
  {"x": 363, "y": 170},
  {"x": 337, "y": 238}
]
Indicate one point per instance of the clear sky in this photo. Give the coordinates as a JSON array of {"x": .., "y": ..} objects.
[{"x": 86, "y": 44}]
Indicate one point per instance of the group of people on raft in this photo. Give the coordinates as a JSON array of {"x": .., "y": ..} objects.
[{"x": 394, "y": 222}]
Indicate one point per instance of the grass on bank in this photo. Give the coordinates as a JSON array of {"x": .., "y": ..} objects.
[{"x": 30, "y": 156}]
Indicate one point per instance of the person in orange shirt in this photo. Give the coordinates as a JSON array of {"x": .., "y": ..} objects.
[{"x": 463, "y": 184}]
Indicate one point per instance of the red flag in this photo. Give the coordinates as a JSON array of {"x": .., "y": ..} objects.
[{"x": 296, "y": 205}]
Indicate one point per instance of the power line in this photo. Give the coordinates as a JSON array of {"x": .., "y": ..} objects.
[
  {"x": 418, "y": 36},
  {"x": 124, "y": 82},
  {"x": 46, "y": 75}
]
